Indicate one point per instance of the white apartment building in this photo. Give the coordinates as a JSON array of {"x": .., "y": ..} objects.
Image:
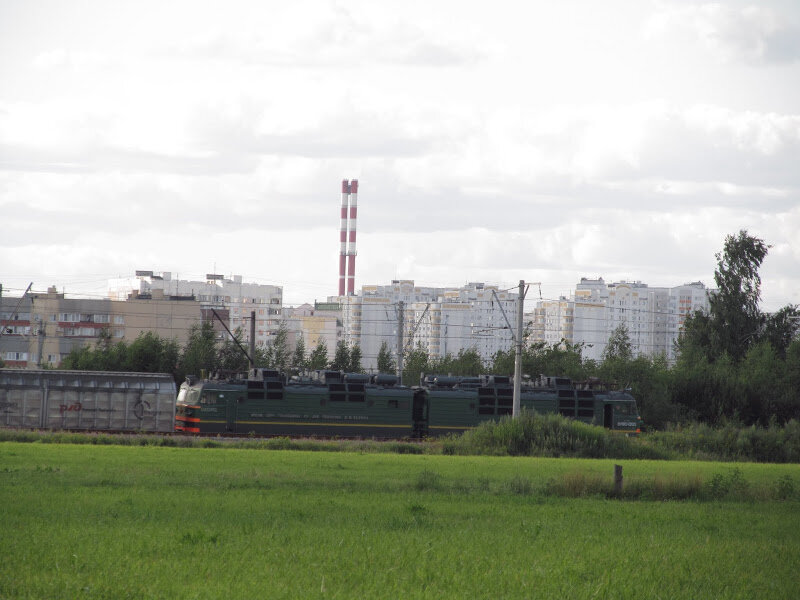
[
  {"x": 236, "y": 298},
  {"x": 440, "y": 320},
  {"x": 683, "y": 301},
  {"x": 551, "y": 321},
  {"x": 653, "y": 316}
]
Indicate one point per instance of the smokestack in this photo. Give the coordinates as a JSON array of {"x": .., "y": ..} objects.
[
  {"x": 351, "y": 267},
  {"x": 343, "y": 235}
]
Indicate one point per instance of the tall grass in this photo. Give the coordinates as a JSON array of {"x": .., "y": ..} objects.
[
  {"x": 548, "y": 435},
  {"x": 731, "y": 442}
]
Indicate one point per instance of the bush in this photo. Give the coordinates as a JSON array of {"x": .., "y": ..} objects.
[{"x": 548, "y": 435}]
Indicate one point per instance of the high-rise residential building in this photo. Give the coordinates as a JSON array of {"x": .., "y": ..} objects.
[
  {"x": 652, "y": 316},
  {"x": 441, "y": 320},
  {"x": 233, "y": 299}
]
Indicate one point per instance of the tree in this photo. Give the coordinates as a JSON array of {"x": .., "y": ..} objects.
[
  {"x": 619, "y": 345},
  {"x": 386, "y": 362},
  {"x": 299, "y": 359},
  {"x": 200, "y": 352},
  {"x": 735, "y": 317},
  {"x": 276, "y": 353},
  {"x": 230, "y": 356},
  {"x": 415, "y": 362},
  {"x": 280, "y": 348},
  {"x": 341, "y": 359},
  {"x": 149, "y": 353},
  {"x": 354, "y": 364},
  {"x": 540, "y": 358},
  {"x": 781, "y": 328},
  {"x": 467, "y": 362},
  {"x": 318, "y": 359},
  {"x": 503, "y": 362}
]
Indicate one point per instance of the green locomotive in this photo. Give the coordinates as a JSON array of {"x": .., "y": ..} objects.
[
  {"x": 455, "y": 404},
  {"x": 331, "y": 403}
]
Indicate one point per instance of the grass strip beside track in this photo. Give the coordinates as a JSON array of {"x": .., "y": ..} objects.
[{"x": 154, "y": 522}]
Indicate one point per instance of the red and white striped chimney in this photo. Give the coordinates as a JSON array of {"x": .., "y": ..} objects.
[
  {"x": 343, "y": 236},
  {"x": 351, "y": 252}
]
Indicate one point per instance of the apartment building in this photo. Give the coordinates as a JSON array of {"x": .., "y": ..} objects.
[
  {"x": 42, "y": 328},
  {"x": 440, "y": 320},
  {"x": 653, "y": 316},
  {"x": 233, "y": 297},
  {"x": 313, "y": 324}
]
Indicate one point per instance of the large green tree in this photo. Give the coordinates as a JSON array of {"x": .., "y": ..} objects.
[
  {"x": 734, "y": 320},
  {"x": 735, "y": 361}
]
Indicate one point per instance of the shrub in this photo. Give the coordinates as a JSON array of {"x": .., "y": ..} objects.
[{"x": 549, "y": 435}]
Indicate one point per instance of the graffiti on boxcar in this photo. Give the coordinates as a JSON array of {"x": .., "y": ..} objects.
[{"x": 139, "y": 408}]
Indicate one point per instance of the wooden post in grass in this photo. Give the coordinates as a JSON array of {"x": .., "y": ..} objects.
[{"x": 618, "y": 479}]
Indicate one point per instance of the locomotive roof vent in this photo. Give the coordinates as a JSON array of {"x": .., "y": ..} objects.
[
  {"x": 470, "y": 382},
  {"x": 385, "y": 379},
  {"x": 446, "y": 382},
  {"x": 356, "y": 378}
]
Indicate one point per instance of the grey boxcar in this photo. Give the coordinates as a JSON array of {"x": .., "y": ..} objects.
[{"x": 96, "y": 400}]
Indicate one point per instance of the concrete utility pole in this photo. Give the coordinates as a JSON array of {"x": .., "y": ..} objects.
[
  {"x": 42, "y": 334},
  {"x": 252, "y": 339},
  {"x": 518, "y": 343},
  {"x": 400, "y": 341},
  {"x": 518, "y": 353}
]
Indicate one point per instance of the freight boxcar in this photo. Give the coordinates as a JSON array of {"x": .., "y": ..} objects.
[{"x": 87, "y": 400}]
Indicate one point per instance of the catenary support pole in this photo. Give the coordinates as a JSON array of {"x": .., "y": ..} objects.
[
  {"x": 252, "y": 339},
  {"x": 518, "y": 352},
  {"x": 400, "y": 308}
]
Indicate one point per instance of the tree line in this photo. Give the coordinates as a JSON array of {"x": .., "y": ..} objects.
[
  {"x": 735, "y": 363},
  {"x": 204, "y": 353}
]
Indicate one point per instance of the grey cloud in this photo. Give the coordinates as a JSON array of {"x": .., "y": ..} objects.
[
  {"x": 674, "y": 149},
  {"x": 783, "y": 46},
  {"x": 751, "y": 34}
]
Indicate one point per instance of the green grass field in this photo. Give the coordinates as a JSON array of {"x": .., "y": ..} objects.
[{"x": 153, "y": 522}]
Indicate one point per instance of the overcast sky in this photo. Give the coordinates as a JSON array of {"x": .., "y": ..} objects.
[{"x": 493, "y": 141}]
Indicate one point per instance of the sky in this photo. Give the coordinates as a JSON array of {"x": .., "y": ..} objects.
[{"x": 494, "y": 142}]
